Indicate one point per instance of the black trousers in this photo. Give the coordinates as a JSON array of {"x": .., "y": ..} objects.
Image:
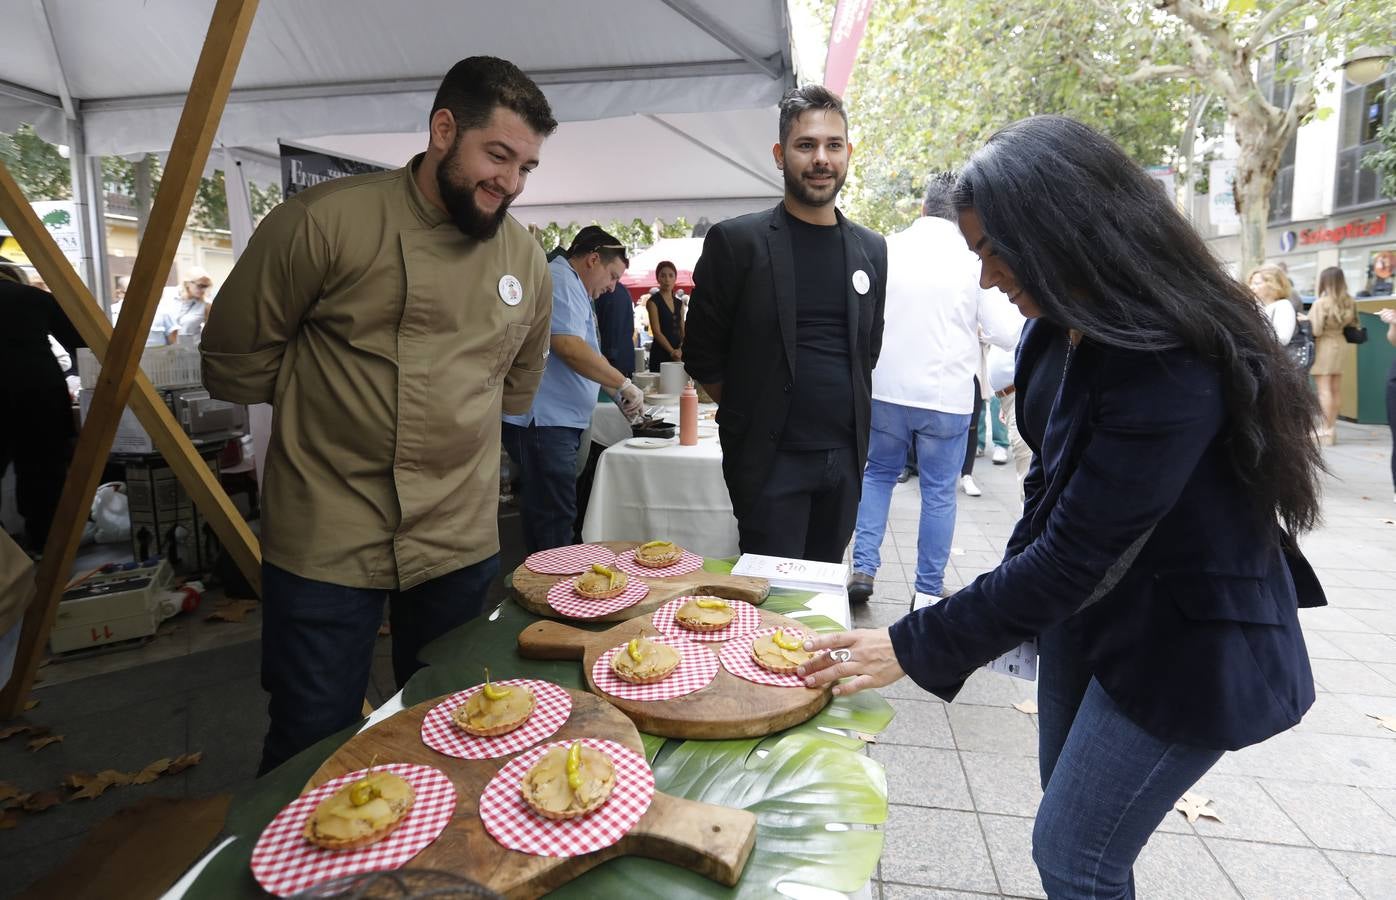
[
  {"x": 972, "y": 441},
  {"x": 807, "y": 507},
  {"x": 37, "y": 438}
]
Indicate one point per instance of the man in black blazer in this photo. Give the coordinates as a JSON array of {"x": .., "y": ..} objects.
[{"x": 783, "y": 331}]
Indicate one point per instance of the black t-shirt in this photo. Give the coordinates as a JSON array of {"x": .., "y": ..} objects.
[{"x": 821, "y": 408}]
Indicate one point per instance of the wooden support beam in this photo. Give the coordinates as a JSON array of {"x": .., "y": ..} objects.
[{"x": 213, "y": 79}]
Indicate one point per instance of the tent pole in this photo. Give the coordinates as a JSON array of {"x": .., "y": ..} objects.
[{"x": 208, "y": 94}]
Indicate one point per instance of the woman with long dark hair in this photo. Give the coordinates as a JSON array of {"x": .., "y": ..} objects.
[
  {"x": 666, "y": 317},
  {"x": 1155, "y": 562}
]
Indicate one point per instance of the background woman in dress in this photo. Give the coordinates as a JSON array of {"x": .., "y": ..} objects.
[
  {"x": 1333, "y": 311},
  {"x": 1154, "y": 562},
  {"x": 666, "y": 318}
]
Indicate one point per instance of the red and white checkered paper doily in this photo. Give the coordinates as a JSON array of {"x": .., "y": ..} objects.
[
  {"x": 736, "y": 658},
  {"x": 695, "y": 670},
  {"x": 551, "y": 707},
  {"x": 563, "y": 598},
  {"x": 284, "y": 862},
  {"x": 511, "y": 822},
  {"x": 689, "y": 562},
  {"x": 745, "y": 620},
  {"x": 568, "y": 560}
]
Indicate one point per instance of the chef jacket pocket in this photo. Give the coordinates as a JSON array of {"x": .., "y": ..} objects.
[
  {"x": 514, "y": 336},
  {"x": 1206, "y": 597}
]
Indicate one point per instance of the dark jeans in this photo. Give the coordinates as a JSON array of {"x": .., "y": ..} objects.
[
  {"x": 807, "y": 506},
  {"x": 972, "y": 439},
  {"x": 1106, "y": 782},
  {"x": 1391, "y": 417},
  {"x": 317, "y": 646},
  {"x": 547, "y": 461}
]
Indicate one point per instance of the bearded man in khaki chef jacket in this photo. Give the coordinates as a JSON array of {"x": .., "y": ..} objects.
[{"x": 390, "y": 319}]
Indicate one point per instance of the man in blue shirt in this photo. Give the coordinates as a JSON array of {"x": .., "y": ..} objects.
[{"x": 543, "y": 442}]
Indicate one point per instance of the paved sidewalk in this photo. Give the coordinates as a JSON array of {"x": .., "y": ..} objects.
[{"x": 1309, "y": 814}]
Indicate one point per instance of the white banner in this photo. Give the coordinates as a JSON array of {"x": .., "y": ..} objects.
[{"x": 1221, "y": 176}]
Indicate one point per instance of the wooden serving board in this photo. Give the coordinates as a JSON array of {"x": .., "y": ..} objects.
[
  {"x": 728, "y": 707},
  {"x": 713, "y": 841},
  {"x": 531, "y": 589}
]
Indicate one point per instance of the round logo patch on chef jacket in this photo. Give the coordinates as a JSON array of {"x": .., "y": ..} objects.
[
  {"x": 861, "y": 282},
  {"x": 511, "y": 291}
]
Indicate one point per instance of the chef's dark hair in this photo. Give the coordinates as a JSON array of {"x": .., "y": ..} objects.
[
  {"x": 478, "y": 84},
  {"x": 594, "y": 239}
]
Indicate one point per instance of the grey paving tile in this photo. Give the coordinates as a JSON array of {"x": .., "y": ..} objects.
[
  {"x": 936, "y": 848},
  {"x": 985, "y": 688},
  {"x": 1373, "y": 876},
  {"x": 1346, "y": 714},
  {"x": 1177, "y": 866},
  {"x": 993, "y": 729},
  {"x": 1365, "y": 647},
  {"x": 1382, "y": 620},
  {"x": 1384, "y": 797},
  {"x": 1385, "y": 670},
  {"x": 922, "y": 776},
  {"x": 1369, "y": 577},
  {"x": 920, "y": 723},
  {"x": 1010, "y": 848},
  {"x": 1003, "y": 784},
  {"x": 892, "y": 891},
  {"x": 1247, "y": 812},
  {"x": 1270, "y": 871},
  {"x": 906, "y": 689},
  {"x": 1328, "y": 618},
  {"x": 1321, "y": 647},
  {"x": 1342, "y": 676},
  {"x": 1336, "y": 817}
]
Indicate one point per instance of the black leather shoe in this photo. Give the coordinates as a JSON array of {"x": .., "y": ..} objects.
[
  {"x": 906, "y": 474},
  {"x": 860, "y": 587}
]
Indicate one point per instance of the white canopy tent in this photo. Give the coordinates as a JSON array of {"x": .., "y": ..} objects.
[{"x": 667, "y": 104}]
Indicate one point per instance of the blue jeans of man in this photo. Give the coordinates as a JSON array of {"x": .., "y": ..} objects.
[
  {"x": 547, "y": 461},
  {"x": 317, "y": 645},
  {"x": 1106, "y": 782},
  {"x": 939, "y": 439}
]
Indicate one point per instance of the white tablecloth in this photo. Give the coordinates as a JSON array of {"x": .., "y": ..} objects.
[{"x": 675, "y": 493}]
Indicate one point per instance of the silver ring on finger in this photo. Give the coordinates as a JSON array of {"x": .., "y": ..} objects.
[{"x": 841, "y": 655}]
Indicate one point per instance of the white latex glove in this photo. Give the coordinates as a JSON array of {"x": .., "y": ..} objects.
[{"x": 631, "y": 399}]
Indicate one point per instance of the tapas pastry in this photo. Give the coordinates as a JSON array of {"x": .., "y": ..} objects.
[
  {"x": 658, "y": 554},
  {"x": 494, "y": 710},
  {"x": 601, "y": 583},
  {"x": 644, "y": 662},
  {"x": 568, "y": 782},
  {"x": 704, "y": 614},
  {"x": 362, "y": 812},
  {"x": 779, "y": 652}
]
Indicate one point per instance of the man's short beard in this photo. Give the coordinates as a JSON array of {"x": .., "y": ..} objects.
[
  {"x": 796, "y": 187},
  {"x": 473, "y": 221}
]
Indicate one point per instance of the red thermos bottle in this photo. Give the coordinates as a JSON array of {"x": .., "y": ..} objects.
[{"x": 688, "y": 416}]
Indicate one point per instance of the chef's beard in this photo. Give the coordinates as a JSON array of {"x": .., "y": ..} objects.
[{"x": 459, "y": 200}]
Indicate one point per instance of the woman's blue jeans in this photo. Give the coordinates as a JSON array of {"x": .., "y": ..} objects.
[{"x": 1106, "y": 782}]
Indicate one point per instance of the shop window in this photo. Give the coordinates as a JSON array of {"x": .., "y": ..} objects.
[
  {"x": 1303, "y": 274},
  {"x": 1365, "y": 109},
  {"x": 1369, "y": 270}
]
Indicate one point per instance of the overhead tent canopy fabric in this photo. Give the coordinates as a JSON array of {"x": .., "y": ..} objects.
[{"x": 663, "y": 100}]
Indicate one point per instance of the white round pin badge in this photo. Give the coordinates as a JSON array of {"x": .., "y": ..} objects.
[
  {"x": 861, "y": 282},
  {"x": 511, "y": 291}
]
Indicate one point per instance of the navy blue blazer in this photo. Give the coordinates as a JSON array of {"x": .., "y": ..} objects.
[{"x": 1134, "y": 512}]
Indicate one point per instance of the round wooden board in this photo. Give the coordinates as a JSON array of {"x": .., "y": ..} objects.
[
  {"x": 712, "y": 840},
  {"x": 729, "y": 707},
  {"x": 531, "y": 589}
]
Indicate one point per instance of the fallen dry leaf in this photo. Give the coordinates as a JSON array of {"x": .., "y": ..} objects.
[
  {"x": 1028, "y": 707},
  {"x": 152, "y": 771},
  {"x": 232, "y": 610},
  {"x": 183, "y": 762},
  {"x": 8, "y": 791},
  {"x": 10, "y": 731},
  {"x": 1387, "y": 722},
  {"x": 40, "y": 743},
  {"x": 166, "y": 630},
  {"x": 1196, "y": 806},
  {"x": 8, "y": 819},
  {"x": 31, "y": 703},
  {"x": 90, "y": 787},
  {"x": 866, "y": 738},
  {"x": 40, "y": 801}
]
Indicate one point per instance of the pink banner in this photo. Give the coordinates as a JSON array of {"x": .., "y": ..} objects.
[{"x": 850, "y": 18}]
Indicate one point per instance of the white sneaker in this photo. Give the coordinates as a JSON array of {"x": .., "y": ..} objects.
[
  {"x": 1000, "y": 456},
  {"x": 921, "y": 601},
  {"x": 969, "y": 487}
]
